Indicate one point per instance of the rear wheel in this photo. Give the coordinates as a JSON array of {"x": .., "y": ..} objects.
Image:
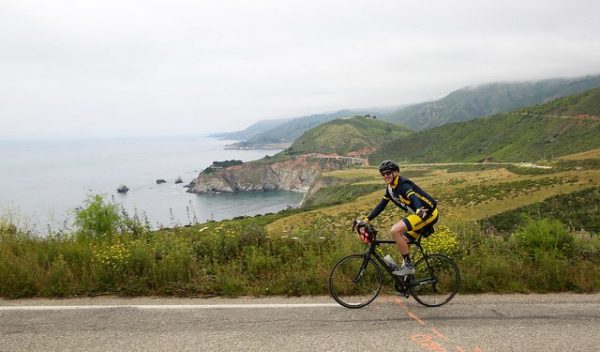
[
  {"x": 436, "y": 280},
  {"x": 355, "y": 282}
]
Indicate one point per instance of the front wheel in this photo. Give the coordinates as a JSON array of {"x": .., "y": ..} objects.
[
  {"x": 436, "y": 280},
  {"x": 355, "y": 281}
]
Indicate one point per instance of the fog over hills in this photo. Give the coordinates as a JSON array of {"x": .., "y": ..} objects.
[
  {"x": 472, "y": 102},
  {"x": 461, "y": 105}
]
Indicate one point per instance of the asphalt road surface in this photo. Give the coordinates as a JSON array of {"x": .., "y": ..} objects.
[{"x": 553, "y": 322}]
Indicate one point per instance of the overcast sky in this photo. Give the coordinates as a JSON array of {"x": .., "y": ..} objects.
[{"x": 124, "y": 68}]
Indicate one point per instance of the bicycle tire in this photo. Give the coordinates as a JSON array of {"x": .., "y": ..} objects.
[
  {"x": 351, "y": 288},
  {"x": 436, "y": 281}
]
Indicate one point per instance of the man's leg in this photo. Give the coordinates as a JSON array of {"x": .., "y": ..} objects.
[{"x": 398, "y": 231}]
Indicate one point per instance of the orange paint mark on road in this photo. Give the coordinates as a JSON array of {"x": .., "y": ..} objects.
[
  {"x": 411, "y": 314},
  {"x": 401, "y": 303},
  {"x": 439, "y": 334},
  {"x": 427, "y": 342}
]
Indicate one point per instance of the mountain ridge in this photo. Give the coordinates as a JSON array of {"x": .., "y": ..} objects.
[
  {"x": 463, "y": 104},
  {"x": 468, "y": 103},
  {"x": 563, "y": 126}
]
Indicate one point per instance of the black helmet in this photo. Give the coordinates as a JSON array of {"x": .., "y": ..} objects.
[{"x": 388, "y": 165}]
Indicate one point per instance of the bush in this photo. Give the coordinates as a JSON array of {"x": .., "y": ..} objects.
[
  {"x": 98, "y": 220},
  {"x": 239, "y": 258},
  {"x": 443, "y": 240},
  {"x": 546, "y": 235}
]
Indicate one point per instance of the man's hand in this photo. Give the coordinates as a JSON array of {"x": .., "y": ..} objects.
[
  {"x": 358, "y": 223},
  {"x": 422, "y": 212}
]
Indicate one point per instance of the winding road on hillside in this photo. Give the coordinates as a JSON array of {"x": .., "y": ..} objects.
[{"x": 553, "y": 322}]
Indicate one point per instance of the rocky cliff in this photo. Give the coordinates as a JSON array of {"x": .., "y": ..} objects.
[{"x": 296, "y": 174}]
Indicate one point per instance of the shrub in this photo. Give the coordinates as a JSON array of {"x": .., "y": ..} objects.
[
  {"x": 547, "y": 235},
  {"x": 443, "y": 240},
  {"x": 239, "y": 258},
  {"x": 98, "y": 220}
]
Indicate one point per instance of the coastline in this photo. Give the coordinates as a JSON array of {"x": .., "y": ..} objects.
[{"x": 44, "y": 181}]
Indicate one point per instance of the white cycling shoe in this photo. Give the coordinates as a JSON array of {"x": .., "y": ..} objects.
[{"x": 404, "y": 270}]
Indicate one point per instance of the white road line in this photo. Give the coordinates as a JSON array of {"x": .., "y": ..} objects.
[{"x": 173, "y": 306}]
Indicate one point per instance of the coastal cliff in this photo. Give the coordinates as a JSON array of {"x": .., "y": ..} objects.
[
  {"x": 331, "y": 146},
  {"x": 296, "y": 174}
]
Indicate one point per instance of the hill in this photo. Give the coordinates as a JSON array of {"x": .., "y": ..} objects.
[
  {"x": 356, "y": 136},
  {"x": 289, "y": 131},
  {"x": 563, "y": 126},
  {"x": 254, "y": 129},
  {"x": 469, "y": 103},
  {"x": 298, "y": 167}
]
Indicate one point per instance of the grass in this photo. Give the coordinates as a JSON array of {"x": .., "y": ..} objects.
[
  {"x": 291, "y": 252},
  {"x": 233, "y": 258},
  {"x": 579, "y": 210},
  {"x": 541, "y": 132}
]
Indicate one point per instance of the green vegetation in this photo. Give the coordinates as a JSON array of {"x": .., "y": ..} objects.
[
  {"x": 227, "y": 258},
  {"x": 471, "y": 103},
  {"x": 288, "y": 131},
  {"x": 579, "y": 210},
  {"x": 478, "y": 194},
  {"x": 539, "y": 133},
  {"x": 339, "y": 194},
  {"x": 544, "y": 237},
  {"x": 542, "y": 256},
  {"x": 347, "y": 135},
  {"x": 221, "y": 165},
  {"x": 583, "y": 164},
  {"x": 239, "y": 257},
  {"x": 585, "y": 103},
  {"x": 226, "y": 163}
]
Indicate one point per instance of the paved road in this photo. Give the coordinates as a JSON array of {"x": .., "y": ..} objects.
[{"x": 556, "y": 322}]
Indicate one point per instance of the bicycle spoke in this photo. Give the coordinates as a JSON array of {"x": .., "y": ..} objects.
[
  {"x": 437, "y": 280},
  {"x": 354, "y": 283}
]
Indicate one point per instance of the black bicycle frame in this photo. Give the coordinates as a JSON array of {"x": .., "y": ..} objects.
[{"x": 402, "y": 284}]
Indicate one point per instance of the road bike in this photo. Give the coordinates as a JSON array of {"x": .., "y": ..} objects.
[{"x": 356, "y": 280}]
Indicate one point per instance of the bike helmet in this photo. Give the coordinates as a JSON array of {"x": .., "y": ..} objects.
[{"x": 387, "y": 165}]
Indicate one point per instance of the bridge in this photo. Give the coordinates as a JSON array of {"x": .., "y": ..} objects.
[{"x": 346, "y": 160}]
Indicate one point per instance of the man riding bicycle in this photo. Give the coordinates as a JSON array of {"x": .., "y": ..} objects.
[{"x": 406, "y": 195}]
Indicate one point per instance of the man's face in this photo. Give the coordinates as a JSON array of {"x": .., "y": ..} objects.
[{"x": 389, "y": 176}]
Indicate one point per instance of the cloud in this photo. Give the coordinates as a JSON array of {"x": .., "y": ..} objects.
[{"x": 87, "y": 68}]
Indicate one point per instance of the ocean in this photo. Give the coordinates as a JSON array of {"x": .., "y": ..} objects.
[{"x": 43, "y": 182}]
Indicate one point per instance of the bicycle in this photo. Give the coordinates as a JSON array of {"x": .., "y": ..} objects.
[{"x": 356, "y": 280}]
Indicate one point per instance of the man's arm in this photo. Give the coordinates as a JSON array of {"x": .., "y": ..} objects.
[
  {"x": 378, "y": 209},
  {"x": 420, "y": 210}
]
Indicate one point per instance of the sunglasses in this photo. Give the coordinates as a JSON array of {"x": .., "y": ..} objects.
[{"x": 387, "y": 173}]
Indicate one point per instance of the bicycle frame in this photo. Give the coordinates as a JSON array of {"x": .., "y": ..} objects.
[
  {"x": 435, "y": 282},
  {"x": 401, "y": 284}
]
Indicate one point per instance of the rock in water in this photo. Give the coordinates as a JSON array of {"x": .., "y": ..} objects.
[{"x": 122, "y": 189}]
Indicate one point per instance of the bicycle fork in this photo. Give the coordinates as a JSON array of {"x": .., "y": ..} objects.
[{"x": 361, "y": 271}]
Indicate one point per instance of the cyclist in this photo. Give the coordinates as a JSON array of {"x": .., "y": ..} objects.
[{"x": 406, "y": 195}]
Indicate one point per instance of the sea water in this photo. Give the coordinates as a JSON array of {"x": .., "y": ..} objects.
[{"x": 43, "y": 182}]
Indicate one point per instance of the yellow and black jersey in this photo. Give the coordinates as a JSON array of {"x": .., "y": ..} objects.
[{"x": 405, "y": 194}]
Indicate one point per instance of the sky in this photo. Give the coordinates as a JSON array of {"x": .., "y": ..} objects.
[{"x": 100, "y": 68}]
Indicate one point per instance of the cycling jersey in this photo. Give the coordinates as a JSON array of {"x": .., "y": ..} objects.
[{"x": 407, "y": 195}]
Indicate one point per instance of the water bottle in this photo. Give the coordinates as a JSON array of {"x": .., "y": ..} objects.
[{"x": 390, "y": 261}]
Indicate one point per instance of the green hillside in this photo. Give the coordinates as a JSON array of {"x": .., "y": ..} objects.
[
  {"x": 469, "y": 103},
  {"x": 288, "y": 131},
  {"x": 578, "y": 209},
  {"x": 553, "y": 129},
  {"x": 342, "y": 136}
]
